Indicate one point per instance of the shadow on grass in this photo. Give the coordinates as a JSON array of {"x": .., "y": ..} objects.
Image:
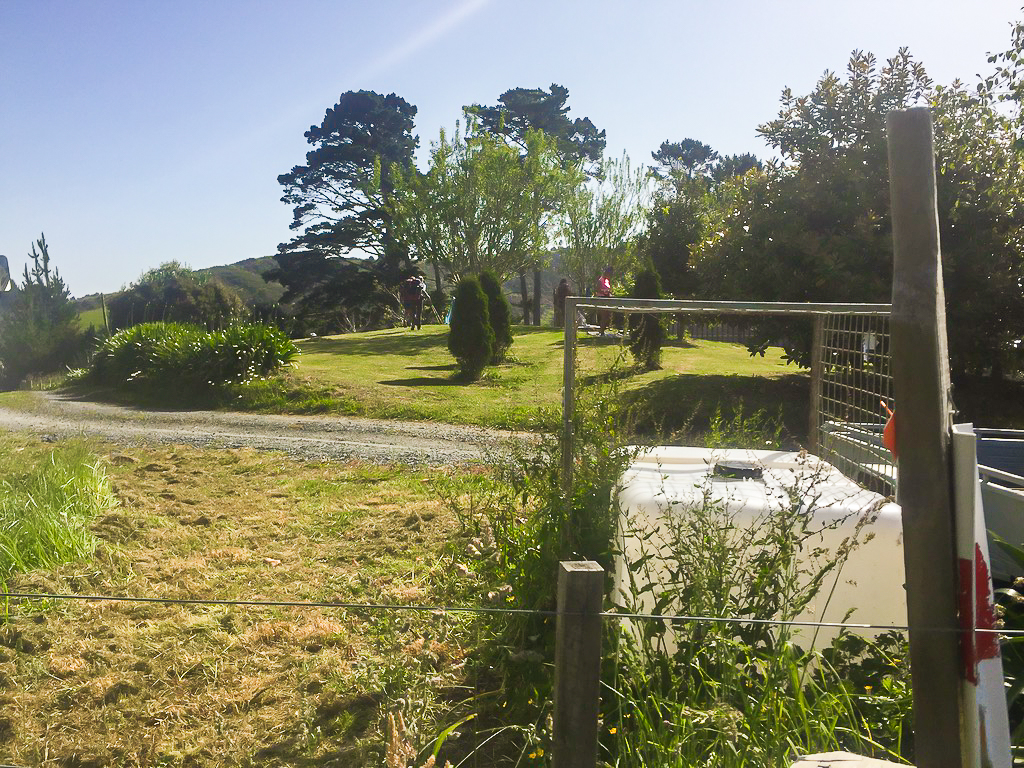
[
  {"x": 449, "y": 367},
  {"x": 684, "y": 404},
  {"x": 601, "y": 341},
  {"x": 615, "y": 374},
  {"x": 425, "y": 381},
  {"x": 399, "y": 342}
]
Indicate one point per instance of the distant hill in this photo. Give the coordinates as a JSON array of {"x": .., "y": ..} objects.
[{"x": 245, "y": 277}]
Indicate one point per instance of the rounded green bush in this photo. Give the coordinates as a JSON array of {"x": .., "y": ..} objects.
[
  {"x": 500, "y": 314},
  {"x": 646, "y": 332},
  {"x": 471, "y": 339}
]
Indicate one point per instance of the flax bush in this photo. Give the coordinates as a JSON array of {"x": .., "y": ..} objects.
[{"x": 174, "y": 356}]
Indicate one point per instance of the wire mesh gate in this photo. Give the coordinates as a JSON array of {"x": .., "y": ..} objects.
[
  {"x": 851, "y": 379},
  {"x": 852, "y": 395}
]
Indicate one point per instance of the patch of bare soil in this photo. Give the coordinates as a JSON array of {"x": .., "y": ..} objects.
[{"x": 93, "y": 683}]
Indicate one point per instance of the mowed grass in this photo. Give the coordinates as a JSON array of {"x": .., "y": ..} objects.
[
  {"x": 91, "y": 683},
  {"x": 399, "y": 373}
]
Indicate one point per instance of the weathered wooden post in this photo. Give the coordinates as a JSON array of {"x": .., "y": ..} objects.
[
  {"x": 923, "y": 427},
  {"x": 578, "y": 664}
]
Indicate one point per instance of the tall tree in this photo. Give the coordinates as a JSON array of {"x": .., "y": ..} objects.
[
  {"x": 521, "y": 110},
  {"x": 601, "y": 223},
  {"x": 690, "y": 201},
  {"x": 480, "y": 205},
  {"x": 817, "y": 228},
  {"x": 579, "y": 144},
  {"x": 340, "y": 200},
  {"x": 735, "y": 165},
  {"x": 688, "y": 157}
]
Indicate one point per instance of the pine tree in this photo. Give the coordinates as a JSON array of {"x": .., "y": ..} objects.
[
  {"x": 471, "y": 340},
  {"x": 39, "y": 331},
  {"x": 500, "y": 313}
]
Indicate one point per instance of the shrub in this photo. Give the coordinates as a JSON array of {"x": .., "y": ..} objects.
[
  {"x": 500, "y": 314},
  {"x": 175, "y": 294},
  {"x": 172, "y": 356},
  {"x": 646, "y": 332},
  {"x": 471, "y": 340}
]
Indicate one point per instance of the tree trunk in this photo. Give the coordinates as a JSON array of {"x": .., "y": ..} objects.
[
  {"x": 526, "y": 297},
  {"x": 436, "y": 297},
  {"x": 536, "y": 296}
]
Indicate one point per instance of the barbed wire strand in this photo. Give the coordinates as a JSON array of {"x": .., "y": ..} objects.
[{"x": 485, "y": 610}]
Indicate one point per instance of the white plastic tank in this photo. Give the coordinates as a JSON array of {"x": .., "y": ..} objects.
[{"x": 749, "y": 486}]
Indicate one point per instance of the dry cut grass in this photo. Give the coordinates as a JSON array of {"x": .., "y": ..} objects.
[{"x": 90, "y": 683}]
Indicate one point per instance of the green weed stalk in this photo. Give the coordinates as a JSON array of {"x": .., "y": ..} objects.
[{"x": 45, "y": 512}]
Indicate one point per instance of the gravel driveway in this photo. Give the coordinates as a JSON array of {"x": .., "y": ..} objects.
[{"x": 53, "y": 416}]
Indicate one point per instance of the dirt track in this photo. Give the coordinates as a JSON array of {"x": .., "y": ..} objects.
[{"x": 55, "y": 416}]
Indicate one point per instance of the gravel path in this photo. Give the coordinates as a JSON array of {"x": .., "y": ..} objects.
[{"x": 53, "y": 416}]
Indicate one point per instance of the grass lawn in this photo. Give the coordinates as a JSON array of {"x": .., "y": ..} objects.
[
  {"x": 400, "y": 373},
  {"x": 91, "y": 317}
]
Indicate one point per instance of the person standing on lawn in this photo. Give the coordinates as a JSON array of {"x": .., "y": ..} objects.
[{"x": 412, "y": 292}]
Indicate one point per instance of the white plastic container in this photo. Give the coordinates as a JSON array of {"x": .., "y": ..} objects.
[{"x": 675, "y": 480}]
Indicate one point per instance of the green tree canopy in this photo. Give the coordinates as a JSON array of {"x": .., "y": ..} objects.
[
  {"x": 689, "y": 203},
  {"x": 601, "y": 222},
  {"x": 521, "y": 110},
  {"x": 689, "y": 157},
  {"x": 174, "y": 293},
  {"x": 480, "y": 205},
  {"x": 341, "y": 205},
  {"x": 816, "y": 228}
]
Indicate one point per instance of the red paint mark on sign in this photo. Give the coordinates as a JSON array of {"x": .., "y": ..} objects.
[{"x": 977, "y": 611}]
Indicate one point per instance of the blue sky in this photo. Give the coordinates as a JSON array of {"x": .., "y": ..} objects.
[{"x": 136, "y": 132}]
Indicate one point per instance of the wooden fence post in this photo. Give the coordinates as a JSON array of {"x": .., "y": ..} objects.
[
  {"x": 578, "y": 664},
  {"x": 923, "y": 426}
]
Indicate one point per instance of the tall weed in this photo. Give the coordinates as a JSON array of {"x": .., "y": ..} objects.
[
  {"x": 743, "y": 692},
  {"x": 521, "y": 523},
  {"x": 717, "y": 694},
  {"x": 45, "y": 511}
]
